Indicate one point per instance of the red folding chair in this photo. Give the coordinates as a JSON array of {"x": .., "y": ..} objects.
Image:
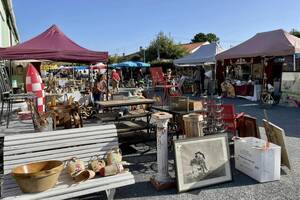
[
  {"x": 158, "y": 81},
  {"x": 229, "y": 117}
]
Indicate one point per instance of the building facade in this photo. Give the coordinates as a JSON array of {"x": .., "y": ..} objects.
[{"x": 9, "y": 35}]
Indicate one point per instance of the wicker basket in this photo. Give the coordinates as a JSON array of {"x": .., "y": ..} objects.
[{"x": 39, "y": 176}]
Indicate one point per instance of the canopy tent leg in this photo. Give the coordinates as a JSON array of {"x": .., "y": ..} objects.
[{"x": 107, "y": 82}]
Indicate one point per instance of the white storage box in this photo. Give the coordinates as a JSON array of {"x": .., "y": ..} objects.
[{"x": 257, "y": 162}]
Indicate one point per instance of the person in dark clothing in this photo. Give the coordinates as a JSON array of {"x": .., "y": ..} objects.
[
  {"x": 202, "y": 78},
  {"x": 197, "y": 82}
]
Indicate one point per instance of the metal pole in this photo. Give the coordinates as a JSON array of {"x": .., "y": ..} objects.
[
  {"x": 107, "y": 82},
  {"x": 294, "y": 59}
]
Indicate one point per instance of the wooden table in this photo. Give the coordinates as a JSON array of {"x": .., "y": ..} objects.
[
  {"x": 124, "y": 102},
  {"x": 128, "y": 123}
]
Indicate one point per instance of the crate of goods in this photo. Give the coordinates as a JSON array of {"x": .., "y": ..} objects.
[
  {"x": 185, "y": 104},
  {"x": 257, "y": 159},
  {"x": 193, "y": 125},
  {"x": 190, "y": 105}
]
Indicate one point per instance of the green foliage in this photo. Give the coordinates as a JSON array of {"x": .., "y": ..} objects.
[
  {"x": 115, "y": 59},
  {"x": 164, "y": 47},
  {"x": 295, "y": 33},
  {"x": 202, "y": 37}
]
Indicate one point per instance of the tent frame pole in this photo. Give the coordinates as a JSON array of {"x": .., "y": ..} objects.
[
  {"x": 294, "y": 62},
  {"x": 107, "y": 90}
]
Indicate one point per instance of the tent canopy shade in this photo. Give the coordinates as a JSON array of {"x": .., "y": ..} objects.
[
  {"x": 130, "y": 64},
  {"x": 53, "y": 45},
  {"x": 204, "y": 55},
  {"x": 271, "y": 43}
]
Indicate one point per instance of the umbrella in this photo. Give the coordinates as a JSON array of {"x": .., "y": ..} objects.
[
  {"x": 130, "y": 64},
  {"x": 142, "y": 64},
  {"x": 124, "y": 64}
]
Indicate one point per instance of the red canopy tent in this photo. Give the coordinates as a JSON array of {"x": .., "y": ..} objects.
[{"x": 53, "y": 45}]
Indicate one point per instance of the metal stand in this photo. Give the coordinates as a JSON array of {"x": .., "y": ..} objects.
[{"x": 162, "y": 179}]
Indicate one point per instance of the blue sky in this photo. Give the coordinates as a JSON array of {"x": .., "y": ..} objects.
[{"x": 121, "y": 26}]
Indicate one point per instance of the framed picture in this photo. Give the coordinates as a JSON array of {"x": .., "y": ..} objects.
[
  {"x": 257, "y": 71},
  {"x": 202, "y": 161},
  {"x": 247, "y": 127},
  {"x": 276, "y": 135}
]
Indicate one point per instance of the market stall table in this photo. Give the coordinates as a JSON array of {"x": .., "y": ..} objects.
[{"x": 128, "y": 124}]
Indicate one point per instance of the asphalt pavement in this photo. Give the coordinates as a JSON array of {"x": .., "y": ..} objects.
[{"x": 242, "y": 186}]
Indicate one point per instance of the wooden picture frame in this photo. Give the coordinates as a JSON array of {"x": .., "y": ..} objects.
[
  {"x": 276, "y": 135},
  {"x": 202, "y": 161},
  {"x": 247, "y": 127}
]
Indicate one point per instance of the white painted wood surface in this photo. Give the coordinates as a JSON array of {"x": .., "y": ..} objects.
[{"x": 61, "y": 145}]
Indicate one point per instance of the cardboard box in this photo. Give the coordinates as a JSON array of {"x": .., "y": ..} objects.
[
  {"x": 253, "y": 159},
  {"x": 185, "y": 104}
]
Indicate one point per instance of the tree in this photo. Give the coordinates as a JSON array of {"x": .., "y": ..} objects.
[
  {"x": 295, "y": 32},
  {"x": 202, "y": 37},
  {"x": 164, "y": 47},
  {"x": 115, "y": 59},
  {"x": 211, "y": 37},
  {"x": 199, "y": 37}
]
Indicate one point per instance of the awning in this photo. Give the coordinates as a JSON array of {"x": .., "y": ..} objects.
[{"x": 53, "y": 45}]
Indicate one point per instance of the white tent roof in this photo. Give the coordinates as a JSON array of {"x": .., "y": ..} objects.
[{"x": 205, "y": 54}]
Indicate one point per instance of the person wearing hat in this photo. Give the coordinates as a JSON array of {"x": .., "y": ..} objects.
[{"x": 115, "y": 81}]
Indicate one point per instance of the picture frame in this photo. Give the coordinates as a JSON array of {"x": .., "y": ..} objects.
[
  {"x": 247, "y": 127},
  {"x": 202, "y": 161},
  {"x": 276, "y": 135}
]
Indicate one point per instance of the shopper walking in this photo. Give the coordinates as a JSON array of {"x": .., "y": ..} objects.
[
  {"x": 115, "y": 81},
  {"x": 202, "y": 79},
  {"x": 197, "y": 82}
]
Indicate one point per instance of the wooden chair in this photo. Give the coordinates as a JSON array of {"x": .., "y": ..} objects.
[{"x": 62, "y": 145}]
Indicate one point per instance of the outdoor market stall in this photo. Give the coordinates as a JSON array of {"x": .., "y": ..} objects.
[
  {"x": 52, "y": 45},
  {"x": 204, "y": 56},
  {"x": 258, "y": 63}
]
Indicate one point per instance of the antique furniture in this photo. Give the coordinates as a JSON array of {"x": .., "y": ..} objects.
[
  {"x": 126, "y": 120},
  {"x": 7, "y": 96},
  {"x": 62, "y": 145}
]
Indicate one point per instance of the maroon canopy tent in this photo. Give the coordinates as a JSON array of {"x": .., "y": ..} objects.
[{"x": 53, "y": 45}]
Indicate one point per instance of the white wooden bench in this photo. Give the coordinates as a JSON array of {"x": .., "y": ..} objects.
[{"x": 62, "y": 145}]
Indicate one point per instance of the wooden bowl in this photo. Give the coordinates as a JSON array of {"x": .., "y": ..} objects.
[{"x": 39, "y": 176}]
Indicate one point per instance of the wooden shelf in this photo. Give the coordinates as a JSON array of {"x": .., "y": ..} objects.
[{"x": 131, "y": 126}]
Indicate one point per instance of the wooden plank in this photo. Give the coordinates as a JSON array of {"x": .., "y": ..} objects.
[
  {"x": 60, "y": 132},
  {"x": 84, "y": 157},
  {"x": 124, "y": 102},
  {"x": 70, "y": 187},
  {"x": 61, "y": 155},
  {"x": 276, "y": 135},
  {"x": 31, "y": 147},
  {"x": 64, "y": 178},
  {"x": 72, "y": 149},
  {"x": 94, "y": 190},
  {"x": 106, "y": 133}
]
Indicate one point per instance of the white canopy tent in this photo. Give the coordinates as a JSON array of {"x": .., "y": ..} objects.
[{"x": 204, "y": 55}]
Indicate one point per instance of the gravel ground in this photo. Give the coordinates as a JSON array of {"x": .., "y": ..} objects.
[{"x": 241, "y": 187}]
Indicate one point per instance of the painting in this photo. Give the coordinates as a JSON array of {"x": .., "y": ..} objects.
[
  {"x": 202, "y": 161},
  {"x": 290, "y": 87},
  {"x": 247, "y": 126},
  {"x": 257, "y": 71},
  {"x": 276, "y": 135}
]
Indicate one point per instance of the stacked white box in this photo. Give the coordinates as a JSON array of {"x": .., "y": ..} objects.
[{"x": 253, "y": 159}]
